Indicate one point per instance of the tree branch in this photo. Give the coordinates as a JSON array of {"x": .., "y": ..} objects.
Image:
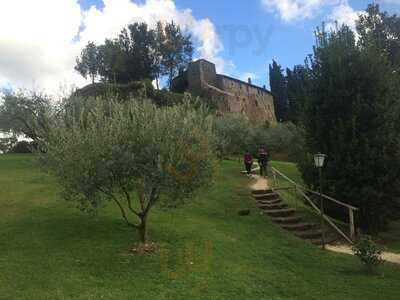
[
  {"x": 120, "y": 207},
  {"x": 128, "y": 199},
  {"x": 141, "y": 198},
  {"x": 123, "y": 213},
  {"x": 153, "y": 199},
  {"x": 30, "y": 132}
]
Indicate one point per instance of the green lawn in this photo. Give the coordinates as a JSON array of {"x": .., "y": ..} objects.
[
  {"x": 391, "y": 238},
  {"x": 50, "y": 250}
]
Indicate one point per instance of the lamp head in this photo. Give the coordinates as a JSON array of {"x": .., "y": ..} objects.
[{"x": 319, "y": 160}]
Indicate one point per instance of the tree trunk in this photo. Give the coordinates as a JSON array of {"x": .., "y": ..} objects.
[
  {"x": 158, "y": 82},
  {"x": 143, "y": 229},
  {"x": 171, "y": 76}
]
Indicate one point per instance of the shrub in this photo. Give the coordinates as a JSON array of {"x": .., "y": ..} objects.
[
  {"x": 284, "y": 139},
  {"x": 244, "y": 212},
  {"x": 7, "y": 143},
  {"x": 232, "y": 133},
  {"x": 235, "y": 134},
  {"x": 23, "y": 147},
  {"x": 368, "y": 252}
]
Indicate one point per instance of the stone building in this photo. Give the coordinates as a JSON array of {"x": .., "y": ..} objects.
[{"x": 231, "y": 95}]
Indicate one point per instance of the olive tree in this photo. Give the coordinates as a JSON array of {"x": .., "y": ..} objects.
[
  {"x": 25, "y": 113},
  {"x": 133, "y": 154}
]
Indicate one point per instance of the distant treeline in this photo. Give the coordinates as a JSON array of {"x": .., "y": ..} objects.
[{"x": 138, "y": 53}]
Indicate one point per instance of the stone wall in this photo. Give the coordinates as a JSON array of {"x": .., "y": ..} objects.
[
  {"x": 230, "y": 94},
  {"x": 254, "y": 102}
]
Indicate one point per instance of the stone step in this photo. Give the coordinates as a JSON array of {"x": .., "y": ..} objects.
[
  {"x": 316, "y": 242},
  {"x": 298, "y": 226},
  {"x": 284, "y": 212},
  {"x": 269, "y": 201},
  {"x": 328, "y": 240},
  {"x": 286, "y": 220},
  {"x": 258, "y": 192},
  {"x": 277, "y": 205},
  {"x": 309, "y": 234},
  {"x": 269, "y": 196}
]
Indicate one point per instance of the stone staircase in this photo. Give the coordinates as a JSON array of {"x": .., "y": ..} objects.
[{"x": 288, "y": 218}]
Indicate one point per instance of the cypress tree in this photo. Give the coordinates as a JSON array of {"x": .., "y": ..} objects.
[
  {"x": 278, "y": 89},
  {"x": 352, "y": 115},
  {"x": 296, "y": 92}
]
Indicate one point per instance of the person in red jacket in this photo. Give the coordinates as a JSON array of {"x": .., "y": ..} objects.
[{"x": 248, "y": 162}]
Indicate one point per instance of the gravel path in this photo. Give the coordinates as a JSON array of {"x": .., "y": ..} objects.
[
  {"x": 387, "y": 256},
  {"x": 260, "y": 184}
]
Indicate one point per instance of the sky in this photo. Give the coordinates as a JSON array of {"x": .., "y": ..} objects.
[{"x": 40, "y": 39}]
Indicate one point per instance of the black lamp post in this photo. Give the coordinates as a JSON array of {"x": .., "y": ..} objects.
[{"x": 319, "y": 160}]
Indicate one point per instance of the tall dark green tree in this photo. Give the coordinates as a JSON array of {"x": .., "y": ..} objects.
[
  {"x": 112, "y": 66},
  {"x": 158, "y": 51},
  {"x": 176, "y": 51},
  {"x": 138, "y": 44},
  {"x": 277, "y": 82},
  {"x": 296, "y": 83},
  {"x": 380, "y": 30},
  {"x": 352, "y": 115},
  {"x": 88, "y": 64}
]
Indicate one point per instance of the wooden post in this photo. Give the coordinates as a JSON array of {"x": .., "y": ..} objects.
[
  {"x": 322, "y": 223},
  {"x": 322, "y": 209},
  {"x": 352, "y": 229}
]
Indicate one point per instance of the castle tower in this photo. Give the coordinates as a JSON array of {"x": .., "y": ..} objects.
[{"x": 200, "y": 72}]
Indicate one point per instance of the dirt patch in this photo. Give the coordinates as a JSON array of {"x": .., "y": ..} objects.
[
  {"x": 144, "y": 249},
  {"x": 260, "y": 184}
]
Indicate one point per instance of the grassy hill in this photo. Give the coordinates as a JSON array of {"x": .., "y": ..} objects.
[{"x": 50, "y": 250}]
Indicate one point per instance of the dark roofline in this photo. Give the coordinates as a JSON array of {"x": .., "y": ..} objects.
[{"x": 246, "y": 83}]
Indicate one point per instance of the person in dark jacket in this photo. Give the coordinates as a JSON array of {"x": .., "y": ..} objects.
[
  {"x": 248, "y": 162},
  {"x": 263, "y": 161}
]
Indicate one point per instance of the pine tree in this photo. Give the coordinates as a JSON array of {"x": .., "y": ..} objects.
[
  {"x": 88, "y": 62},
  {"x": 138, "y": 53},
  {"x": 176, "y": 50}
]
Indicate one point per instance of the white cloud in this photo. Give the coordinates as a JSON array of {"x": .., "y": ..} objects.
[
  {"x": 391, "y": 1},
  {"x": 39, "y": 39},
  {"x": 36, "y": 41},
  {"x": 292, "y": 10},
  {"x": 205, "y": 30},
  {"x": 343, "y": 14}
]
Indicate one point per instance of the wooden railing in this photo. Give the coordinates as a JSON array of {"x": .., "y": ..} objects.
[{"x": 302, "y": 191}]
